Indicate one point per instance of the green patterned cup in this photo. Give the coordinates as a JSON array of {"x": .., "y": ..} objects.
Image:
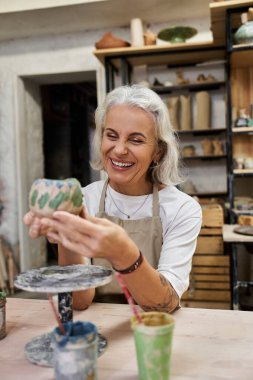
[{"x": 153, "y": 343}]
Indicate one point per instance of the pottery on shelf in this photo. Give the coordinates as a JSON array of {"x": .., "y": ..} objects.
[
  {"x": 203, "y": 79},
  {"x": 180, "y": 79},
  {"x": 136, "y": 30},
  {"x": 243, "y": 118},
  {"x": 109, "y": 41},
  {"x": 238, "y": 163},
  {"x": 248, "y": 163},
  {"x": 217, "y": 147},
  {"x": 207, "y": 147},
  {"x": 244, "y": 34},
  {"x": 157, "y": 83},
  {"x": 177, "y": 34},
  {"x": 189, "y": 151},
  {"x": 149, "y": 38}
]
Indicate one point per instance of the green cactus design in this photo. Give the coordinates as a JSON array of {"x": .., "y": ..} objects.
[
  {"x": 58, "y": 200},
  {"x": 34, "y": 197},
  {"x": 43, "y": 200},
  {"x": 77, "y": 198}
]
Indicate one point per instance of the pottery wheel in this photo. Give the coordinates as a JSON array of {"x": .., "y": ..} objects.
[
  {"x": 40, "y": 350},
  {"x": 244, "y": 230},
  {"x": 61, "y": 279}
]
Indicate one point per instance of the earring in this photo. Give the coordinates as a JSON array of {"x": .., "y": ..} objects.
[{"x": 154, "y": 165}]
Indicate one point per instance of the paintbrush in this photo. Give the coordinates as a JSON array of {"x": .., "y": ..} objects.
[
  {"x": 61, "y": 328},
  {"x": 128, "y": 297}
]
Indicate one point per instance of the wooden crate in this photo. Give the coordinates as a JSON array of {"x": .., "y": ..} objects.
[
  {"x": 208, "y": 261},
  {"x": 212, "y": 216},
  {"x": 209, "y": 282},
  {"x": 209, "y": 245},
  {"x": 207, "y": 295},
  {"x": 210, "y": 285}
]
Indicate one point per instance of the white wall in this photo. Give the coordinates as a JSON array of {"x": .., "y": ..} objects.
[{"x": 24, "y": 64}]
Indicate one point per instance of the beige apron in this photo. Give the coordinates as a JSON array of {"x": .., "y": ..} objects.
[{"x": 146, "y": 233}]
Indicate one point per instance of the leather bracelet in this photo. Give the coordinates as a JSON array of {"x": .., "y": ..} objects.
[{"x": 132, "y": 267}]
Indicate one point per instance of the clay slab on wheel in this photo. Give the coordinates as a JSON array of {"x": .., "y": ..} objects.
[{"x": 59, "y": 279}]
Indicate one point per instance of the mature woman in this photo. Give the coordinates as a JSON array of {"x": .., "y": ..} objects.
[{"x": 137, "y": 220}]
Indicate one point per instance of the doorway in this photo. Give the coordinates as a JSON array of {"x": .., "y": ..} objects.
[{"x": 68, "y": 126}]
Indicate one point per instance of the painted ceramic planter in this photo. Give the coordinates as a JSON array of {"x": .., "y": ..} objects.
[{"x": 244, "y": 35}]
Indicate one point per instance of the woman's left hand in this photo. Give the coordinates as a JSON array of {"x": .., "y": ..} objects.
[{"x": 92, "y": 237}]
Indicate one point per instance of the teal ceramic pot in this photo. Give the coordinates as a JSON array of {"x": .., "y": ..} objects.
[{"x": 244, "y": 35}]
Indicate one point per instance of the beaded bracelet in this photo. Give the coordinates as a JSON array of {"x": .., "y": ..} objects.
[{"x": 132, "y": 267}]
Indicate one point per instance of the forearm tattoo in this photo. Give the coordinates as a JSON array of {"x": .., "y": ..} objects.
[{"x": 171, "y": 299}]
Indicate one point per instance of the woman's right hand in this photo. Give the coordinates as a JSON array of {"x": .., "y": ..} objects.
[{"x": 36, "y": 229}]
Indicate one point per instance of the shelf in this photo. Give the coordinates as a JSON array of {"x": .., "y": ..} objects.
[
  {"x": 189, "y": 87},
  {"x": 242, "y": 57},
  {"x": 242, "y": 130},
  {"x": 241, "y": 47},
  {"x": 200, "y": 132},
  {"x": 244, "y": 212},
  {"x": 243, "y": 172},
  {"x": 204, "y": 157},
  {"x": 169, "y": 54},
  {"x": 218, "y": 18}
]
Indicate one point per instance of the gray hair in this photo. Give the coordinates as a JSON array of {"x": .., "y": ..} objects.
[{"x": 167, "y": 170}]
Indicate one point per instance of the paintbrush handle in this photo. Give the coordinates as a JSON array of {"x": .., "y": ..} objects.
[{"x": 128, "y": 297}]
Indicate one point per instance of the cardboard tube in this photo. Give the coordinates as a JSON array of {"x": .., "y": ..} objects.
[
  {"x": 172, "y": 103},
  {"x": 203, "y": 110},
  {"x": 186, "y": 112}
]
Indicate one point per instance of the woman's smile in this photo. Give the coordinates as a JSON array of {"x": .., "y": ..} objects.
[{"x": 121, "y": 164}]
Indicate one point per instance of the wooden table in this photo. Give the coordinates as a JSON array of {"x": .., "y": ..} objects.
[
  {"x": 207, "y": 345},
  {"x": 229, "y": 236}
]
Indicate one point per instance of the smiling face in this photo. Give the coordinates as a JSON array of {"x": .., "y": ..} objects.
[{"x": 129, "y": 146}]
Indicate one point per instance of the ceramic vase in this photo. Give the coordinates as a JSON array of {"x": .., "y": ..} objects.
[
  {"x": 137, "y": 38},
  {"x": 244, "y": 34}
]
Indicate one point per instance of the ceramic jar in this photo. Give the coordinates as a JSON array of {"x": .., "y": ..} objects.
[
  {"x": 244, "y": 34},
  {"x": 248, "y": 163}
]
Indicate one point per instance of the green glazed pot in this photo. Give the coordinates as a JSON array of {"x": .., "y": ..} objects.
[{"x": 244, "y": 35}]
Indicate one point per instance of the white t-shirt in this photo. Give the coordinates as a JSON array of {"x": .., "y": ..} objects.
[{"x": 181, "y": 218}]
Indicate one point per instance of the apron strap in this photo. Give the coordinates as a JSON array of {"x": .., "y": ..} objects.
[
  {"x": 155, "y": 200},
  {"x": 102, "y": 198}
]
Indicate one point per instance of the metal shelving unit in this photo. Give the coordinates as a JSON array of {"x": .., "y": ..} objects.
[
  {"x": 120, "y": 63},
  {"x": 233, "y": 59},
  {"x": 237, "y": 56}
]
